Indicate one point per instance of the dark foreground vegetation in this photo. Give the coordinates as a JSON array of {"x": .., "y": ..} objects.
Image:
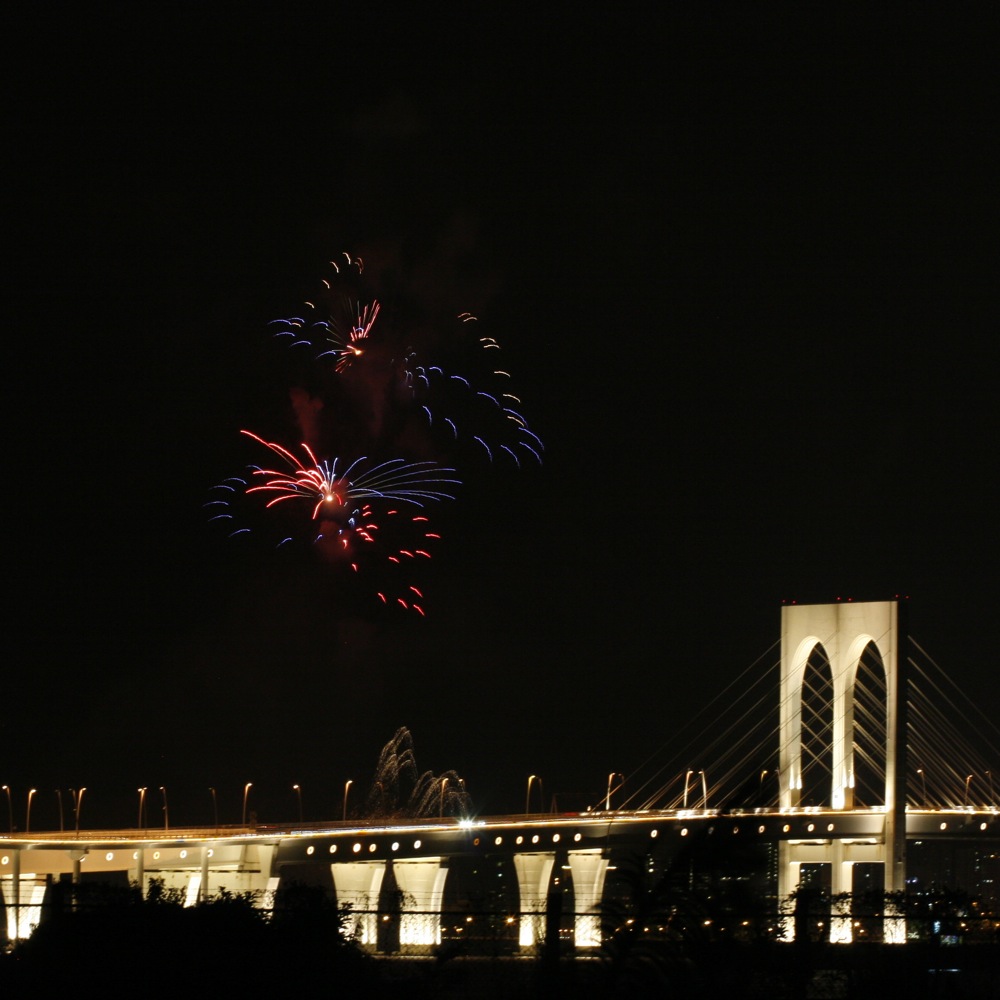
[{"x": 102, "y": 941}]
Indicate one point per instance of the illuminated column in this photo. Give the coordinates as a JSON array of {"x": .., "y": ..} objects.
[
  {"x": 841, "y": 887},
  {"x": 421, "y": 882},
  {"x": 203, "y": 885},
  {"x": 588, "y": 868},
  {"x": 137, "y": 873},
  {"x": 788, "y": 882},
  {"x": 357, "y": 884},
  {"x": 533, "y": 874},
  {"x": 11, "y": 885}
]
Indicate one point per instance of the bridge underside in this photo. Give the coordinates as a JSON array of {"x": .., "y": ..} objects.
[{"x": 437, "y": 870}]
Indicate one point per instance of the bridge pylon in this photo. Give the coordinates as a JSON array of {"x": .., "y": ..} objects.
[{"x": 843, "y": 632}]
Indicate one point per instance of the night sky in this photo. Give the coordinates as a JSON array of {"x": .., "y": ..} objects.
[{"x": 742, "y": 270}]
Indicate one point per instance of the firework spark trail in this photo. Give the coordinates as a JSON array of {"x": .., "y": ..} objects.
[
  {"x": 383, "y": 377},
  {"x": 378, "y": 380},
  {"x": 395, "y": 479}
]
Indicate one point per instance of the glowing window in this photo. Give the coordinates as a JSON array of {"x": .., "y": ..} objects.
[
  {"x": 357, "y": 848},
  {"x": 416, "y": 845},
  {"x": 310, "y": 849}
]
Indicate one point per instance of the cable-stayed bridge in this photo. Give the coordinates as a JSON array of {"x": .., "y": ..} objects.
[{"x": 852, "y": 746}]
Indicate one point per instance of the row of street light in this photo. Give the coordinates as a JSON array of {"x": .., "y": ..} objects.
[
  {"x": 77, "y": 804},
  {"x": 142, "y": 819}
]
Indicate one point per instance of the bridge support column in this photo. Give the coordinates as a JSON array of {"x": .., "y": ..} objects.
[
  {"x": 23, "y": 896},
  {"x": 533, "y": 874},
  {"x": 357, "y": 884},
  {"x": 788, "y": 881},
  {"x": 421, "y": 882},
  {"x": 588, "y": 869},
  {"x": 137, "y": 873},
  {"x": 841, "y": 887}
]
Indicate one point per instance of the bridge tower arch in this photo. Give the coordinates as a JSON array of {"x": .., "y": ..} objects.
[{"x": 844, "y": 631}]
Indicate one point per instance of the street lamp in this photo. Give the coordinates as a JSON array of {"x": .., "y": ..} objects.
[
  {"x": 58, "y": 792},
  {"x": 10, "y": 808},
  {"x": 298, "y": 792},
  {"x": 215, "y": 809},
  {"x": 687, "y": 778},
  {"x": 142, "y": 803},
  {"x": 704, "y": 792},
  {"x": 967, "y": 780},
  {"x": 77, "y": 806},
  {"x": 541, "y": 793},
  {"x": 923, "y": 782},
  {"x": 166, "y": 810},
  {"x": 607, "y": 797},
  {"x": 347, "y": 786},
  {"x": 27, "y": 816},
  {"x": 246, "y": 793}
]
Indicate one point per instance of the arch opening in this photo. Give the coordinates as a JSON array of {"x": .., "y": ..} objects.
[
  {"x": 817, "y": 730},
  {"x": 869, "y": 732}
]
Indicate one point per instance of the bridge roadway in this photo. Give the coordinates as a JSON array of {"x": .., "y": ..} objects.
[{"x": 201, "y": 861}]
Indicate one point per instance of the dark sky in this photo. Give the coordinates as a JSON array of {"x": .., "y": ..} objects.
[{"x": 743, "y": 271}]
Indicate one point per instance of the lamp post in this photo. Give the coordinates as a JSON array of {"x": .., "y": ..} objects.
[
  {"x": 704, "y": 792},
  {"x": 142, "y": 804},
  {"x": 444, "y": 783},
  {"x": 166, "y": 810},
  {"x": 10, "y": 808},
  {"x": 923, "y": 783},
  {"x": 77, "y": 806},
  {"x": 541, "y": 793},
  {"x": 215, "y": 809},
  {"x": 967, "y": 781},
  {"x": 246, "y": 794},
  {"x": 27, "y": 815},
  {"x": 298, "y": 793},
  {"x": 607, "y": 797},
  {"x": 58, "y": 792},
  {"x": 687, "y": 778},
  {"x": 347, "y": 788}
]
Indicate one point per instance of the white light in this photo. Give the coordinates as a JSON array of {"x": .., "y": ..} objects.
[
  {"x": 310, "y": 849},
  {"x": 109, "y": 856}
]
